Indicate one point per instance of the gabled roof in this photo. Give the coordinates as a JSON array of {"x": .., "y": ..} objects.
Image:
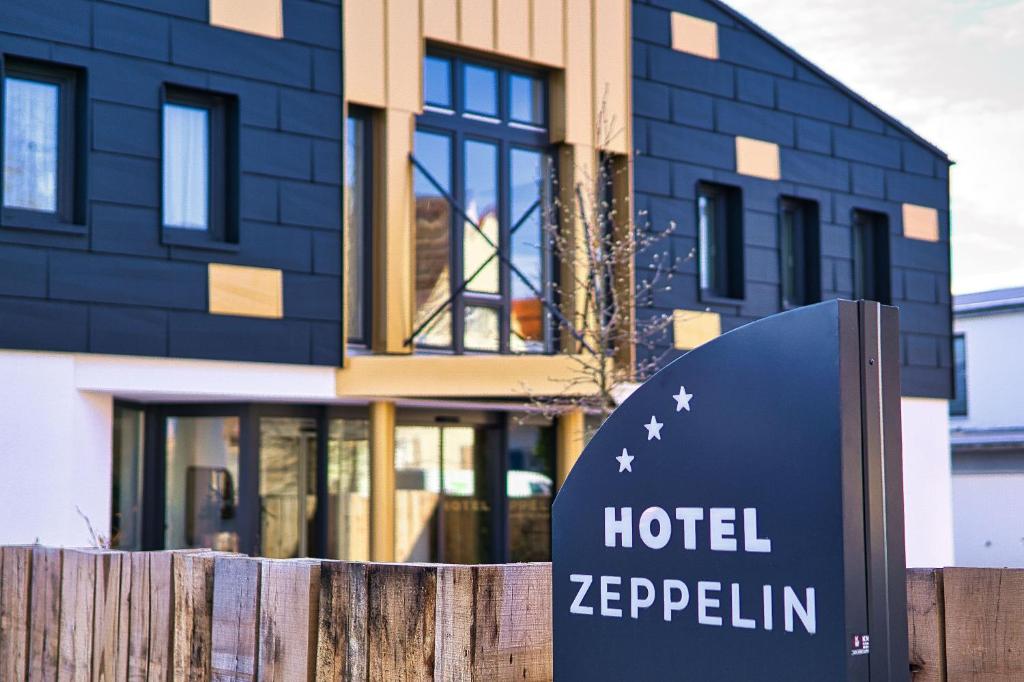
[
  {"x": 989, "y": 301},
  {"x": 818, "y": 71}
]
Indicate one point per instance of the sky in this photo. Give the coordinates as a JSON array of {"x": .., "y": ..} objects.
[{"x": 953, "y": 71}]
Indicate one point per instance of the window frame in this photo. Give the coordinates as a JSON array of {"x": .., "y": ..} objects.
[
  {"x": 221, "y": 231},
  {"x": 366, "y": 118},
  {"x": 72, "y": 140},
  {"x": 460, "y": 125},
  {"x": 728, "y": 201},
  {"x": 876, "y": 223},
  {"x": 807, "y": 229},
  {"x": 958, "y": 406}
]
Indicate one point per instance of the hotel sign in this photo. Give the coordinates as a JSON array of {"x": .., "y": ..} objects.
[{"x": 739, "y": 517}]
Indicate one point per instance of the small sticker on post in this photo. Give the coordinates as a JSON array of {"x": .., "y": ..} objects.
[{"x": 861, "y": 645}]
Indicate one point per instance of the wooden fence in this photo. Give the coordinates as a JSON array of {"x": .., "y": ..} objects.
[{"x": 200, "y": 615}]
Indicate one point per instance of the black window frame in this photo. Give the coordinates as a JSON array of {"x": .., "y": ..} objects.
[
  {"x": 507, "y": 134},
  {"x": 869, "y": 255},
  {"x": 72, "y": 145},
  {"x": 222, "y": 230},
  {"x": 366, "y": 118},
  {"x": 958, "y": 404},
  {"x": 729, "y": 274},
  {"x": 806, "y": 259}
]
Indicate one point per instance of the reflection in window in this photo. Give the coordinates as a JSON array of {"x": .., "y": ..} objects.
[
  {"x": 530, "y": 488},
  {"x": 528, "y": 200},
  {"x": 358, "y": 207},
  {"x": 437, "y": 82},
  {"x": 287, "y": 486},
  {"x": 526, "y": 99},
  {"x": 348, "y": 490},
  {"x": 433, "y": 238},
  {"x": 202, "y": 483},
  {"x": 126, "y": 495},
  {"x": 480, "y": 265},
  {"x": 720, "y": 240},
  {"x": 482, "y": 329},
  {"x": 417, "y": 492},
  {"x": 480, "y": 90},
  {"x": 186, "y": 166},
  {"x": 958, "y": 405},
  {"x": 30, "y": 144}
]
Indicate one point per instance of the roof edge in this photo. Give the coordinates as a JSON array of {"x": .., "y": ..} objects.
[{"x": 889, "y": 118}]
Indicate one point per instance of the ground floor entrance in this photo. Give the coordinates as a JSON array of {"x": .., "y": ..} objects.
[{"x": 282, "y": 481}]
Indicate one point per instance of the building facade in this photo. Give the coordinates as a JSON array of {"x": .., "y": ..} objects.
[
  {"x": 987, "y": 429},
  {"x": 275, "y": 275}
]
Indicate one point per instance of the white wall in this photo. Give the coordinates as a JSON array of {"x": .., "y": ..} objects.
[
  {"x": 927, "y": 482},
  {"x": 995, "y": 370},
  {"x": 989, "y": 519},
  {"x": 54, "y": 452}
]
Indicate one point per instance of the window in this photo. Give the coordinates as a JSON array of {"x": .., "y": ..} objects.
[
  {"x": 720, "y": 241},
  {"x": 958, "y": 405},
  {"x": 199, "y": 195},
  {"x": 871, "y": 256},
  {"x": 126, "y": 493},
  {"x": 358, "y": 224},
  {"x": 483, "y": 192},
  {"x": 43, "y": 124},
  {"x": 799, "y": 252}
]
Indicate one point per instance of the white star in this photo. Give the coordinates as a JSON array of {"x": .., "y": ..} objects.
[
  {"x": 682, "y": 399},
  {"x": 625, "y": 461},
  {"x": 653, "y": 429}
]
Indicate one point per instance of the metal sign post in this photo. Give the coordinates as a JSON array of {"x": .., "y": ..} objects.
[{"x": 740, "y": 516}]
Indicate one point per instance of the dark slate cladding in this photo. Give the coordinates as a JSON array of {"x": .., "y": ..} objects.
[
  {"x": 117, "y": 287},
  {"x": 835, "y": 149}
]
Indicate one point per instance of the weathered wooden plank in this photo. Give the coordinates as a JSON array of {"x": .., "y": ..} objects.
[
  {"x": 341, "y": 641},
  {"x": 236, "y": 591},
  {"x": 193, "y": 615},
  {"x": 44, "y": 623},
  {"x": 124, "y": 613},
  {"x": 106, "y": 616},
  {"x": 14, "y": 611},
  {"x": 984, "y": 611},
  {"x": 138, "y": 589},
  {"x": 289, "y": 606},
  {"x": 78, "y": 599},
  {"x": 400, "y": 628},
  {"x": 161, "y": 616},
  {"x": 494, "y": 622},
  {"x": 926, "y": 625}
]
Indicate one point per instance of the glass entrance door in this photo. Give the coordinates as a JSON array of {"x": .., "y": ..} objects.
[
  {"x": 288, "y": 486},
  {"x": 445, "y": 493}
]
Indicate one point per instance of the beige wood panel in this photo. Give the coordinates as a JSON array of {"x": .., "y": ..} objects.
[
  {"x": 246, "y": 291},
  {"x": 441, "y": 20},
  {"x": 476, "y": 24},
  {"x": 692, "y": 328},
  {"x": 578, "y": 92},
  {"x": 570, "y": 434},
  {"x": 365, "y": 52},
  {"x": 611, "y": 74},
  {"x": 513, "y": 27},
  {"x": 418, "y": 376},
  {"x": 394, "y": 257},
  {"x": 404, "y": 55},
  {"x": 757, "y": 158},
  {"x": 547, "y": 35},
  {"x": 382, "y": 481},
  {"x": 261, "y": 17},
  {"x": 920, "y": 222},
  {"x": 694, "y": 35}
]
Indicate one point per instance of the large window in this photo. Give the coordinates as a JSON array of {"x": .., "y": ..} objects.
[
  {"x": 42, "y": 133},
  {"x": 799, "y": 252},
  {"x": 720, "y": 241},
  {"x": 358, "y": 224},
  {"x": 871, "y": 256},
  {"x": 198, "y": 193},
  {"x": 483, "y": 194},
  {"x": 958, "y": 405}
]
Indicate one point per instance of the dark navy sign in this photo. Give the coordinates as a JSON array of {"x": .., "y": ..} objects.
[{"x": 714, "y": 528}]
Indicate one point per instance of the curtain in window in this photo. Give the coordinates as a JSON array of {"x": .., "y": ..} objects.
[
  {"x": 186, "y": 167},
  {"x": 30, "y": 144}
]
